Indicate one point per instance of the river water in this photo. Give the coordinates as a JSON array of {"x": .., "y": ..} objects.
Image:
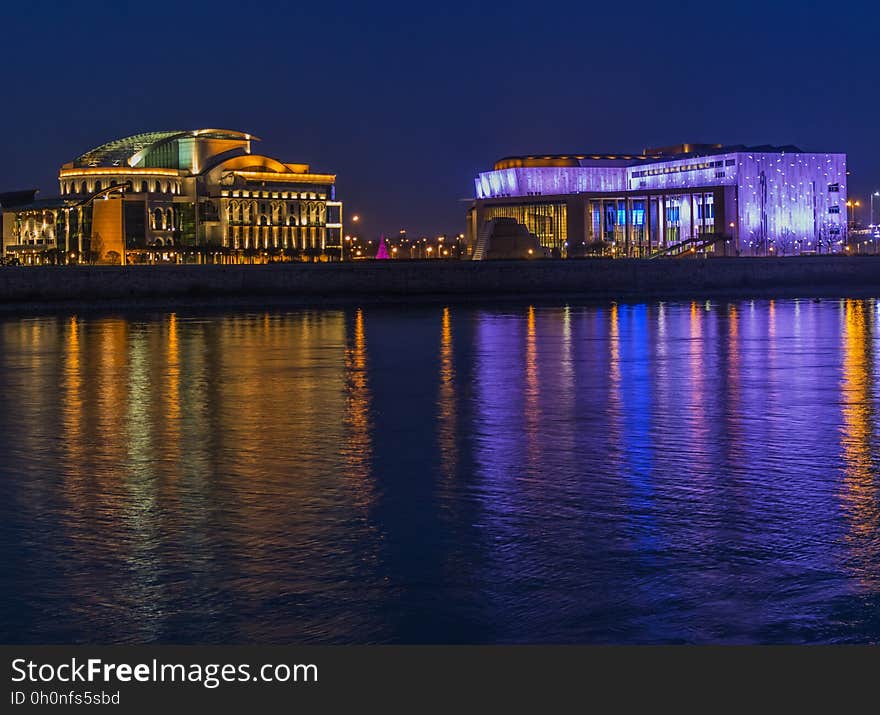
[{"x": 612, "y": 473}]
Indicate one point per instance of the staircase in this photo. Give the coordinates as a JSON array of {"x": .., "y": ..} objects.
[
  {"x": 482, "y": 241},
  {"x": 688, "y": 247}
]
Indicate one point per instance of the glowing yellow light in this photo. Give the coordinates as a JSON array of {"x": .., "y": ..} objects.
[
  {"x": 277, "y": 177},
  {"x": 97, "y": 171}
]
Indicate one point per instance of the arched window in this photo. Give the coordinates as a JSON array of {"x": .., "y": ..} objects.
[
  {"x": 97, "y": 186},
  {"x": 144, "y": 187},
  {"x": 158, "y": 188},
  {"x": 84, "y": 189},
  {"x": 277, "y": 212}
]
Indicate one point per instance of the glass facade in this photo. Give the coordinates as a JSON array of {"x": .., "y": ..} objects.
[{"x": 548, "y": 221}]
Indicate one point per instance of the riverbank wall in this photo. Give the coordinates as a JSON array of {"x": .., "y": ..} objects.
[{"x": 401, "y": 280}]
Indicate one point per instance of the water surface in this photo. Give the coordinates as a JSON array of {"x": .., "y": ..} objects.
[{"x": 645, "y": 473}]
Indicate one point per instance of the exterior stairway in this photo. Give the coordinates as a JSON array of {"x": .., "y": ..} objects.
[
  {"x": 688, "y": 247},
  {"x": 482, "y": 241}
]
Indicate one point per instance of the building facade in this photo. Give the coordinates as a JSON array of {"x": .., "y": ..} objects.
[
  {"x": 198, "y": 195},
  {"x": 723, "y": 200}
]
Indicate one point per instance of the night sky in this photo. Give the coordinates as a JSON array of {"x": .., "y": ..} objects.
[{"x": 406, "y": 102}]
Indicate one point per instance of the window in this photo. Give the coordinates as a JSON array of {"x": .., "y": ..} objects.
[
  {"x": 834, "y": 209},
  {"x": 833, "y": 188},
  {"x": 730, "y": 162},
  {"x": 719, "y": 174},
  {"x": 548, "y": 221}
]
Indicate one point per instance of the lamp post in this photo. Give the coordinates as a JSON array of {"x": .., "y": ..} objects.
[
  {"x": 852, "y": 206},
  {"x": 873, "y": 226},
  {"x": 354, "y": 219}
]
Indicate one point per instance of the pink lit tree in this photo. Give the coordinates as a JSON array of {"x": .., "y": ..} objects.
[{"x": 383, "y": 251}]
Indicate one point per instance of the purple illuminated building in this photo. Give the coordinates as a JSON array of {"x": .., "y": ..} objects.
[{"x": 689, "y": 198}]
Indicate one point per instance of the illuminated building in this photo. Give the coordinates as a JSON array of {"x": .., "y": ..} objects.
[
  {"x": 725, "y": 200},
  {"x": 198, "y": 195}
]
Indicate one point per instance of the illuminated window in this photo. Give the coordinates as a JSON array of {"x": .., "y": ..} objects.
[{"x": 549, "y": 222}]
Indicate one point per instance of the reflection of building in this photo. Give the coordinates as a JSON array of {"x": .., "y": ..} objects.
[
  {"x": 188, "y": 195},
  {"x": 729, "y": 200}
]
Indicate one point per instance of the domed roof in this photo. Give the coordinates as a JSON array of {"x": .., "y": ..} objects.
[{"x": 130, "y": 151}]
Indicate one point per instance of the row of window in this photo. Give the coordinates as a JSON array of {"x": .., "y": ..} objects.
[
  {"x": 274, "y": 195},
  {"x": 88, "y": 187},
  {"x": 276, "y": 212},
  {"x": 683, "y": 167}
]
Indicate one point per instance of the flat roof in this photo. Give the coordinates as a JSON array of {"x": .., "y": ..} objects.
[{"x": 669, "y": 153}]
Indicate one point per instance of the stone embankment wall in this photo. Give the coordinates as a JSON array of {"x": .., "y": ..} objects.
[{"x": 400, "y": 279}]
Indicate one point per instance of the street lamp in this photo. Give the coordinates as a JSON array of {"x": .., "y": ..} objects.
[
  {"x": 873, "y": 226},
  {"x": 852, "y": 206}
]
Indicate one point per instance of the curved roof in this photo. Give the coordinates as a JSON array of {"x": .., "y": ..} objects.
[{"x": 124, "y": 152}]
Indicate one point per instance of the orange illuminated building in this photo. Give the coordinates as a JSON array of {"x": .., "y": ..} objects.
[{"x": 177, "y": 196}]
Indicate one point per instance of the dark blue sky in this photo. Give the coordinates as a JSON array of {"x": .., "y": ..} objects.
[{"x": 406, "y": 102}]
